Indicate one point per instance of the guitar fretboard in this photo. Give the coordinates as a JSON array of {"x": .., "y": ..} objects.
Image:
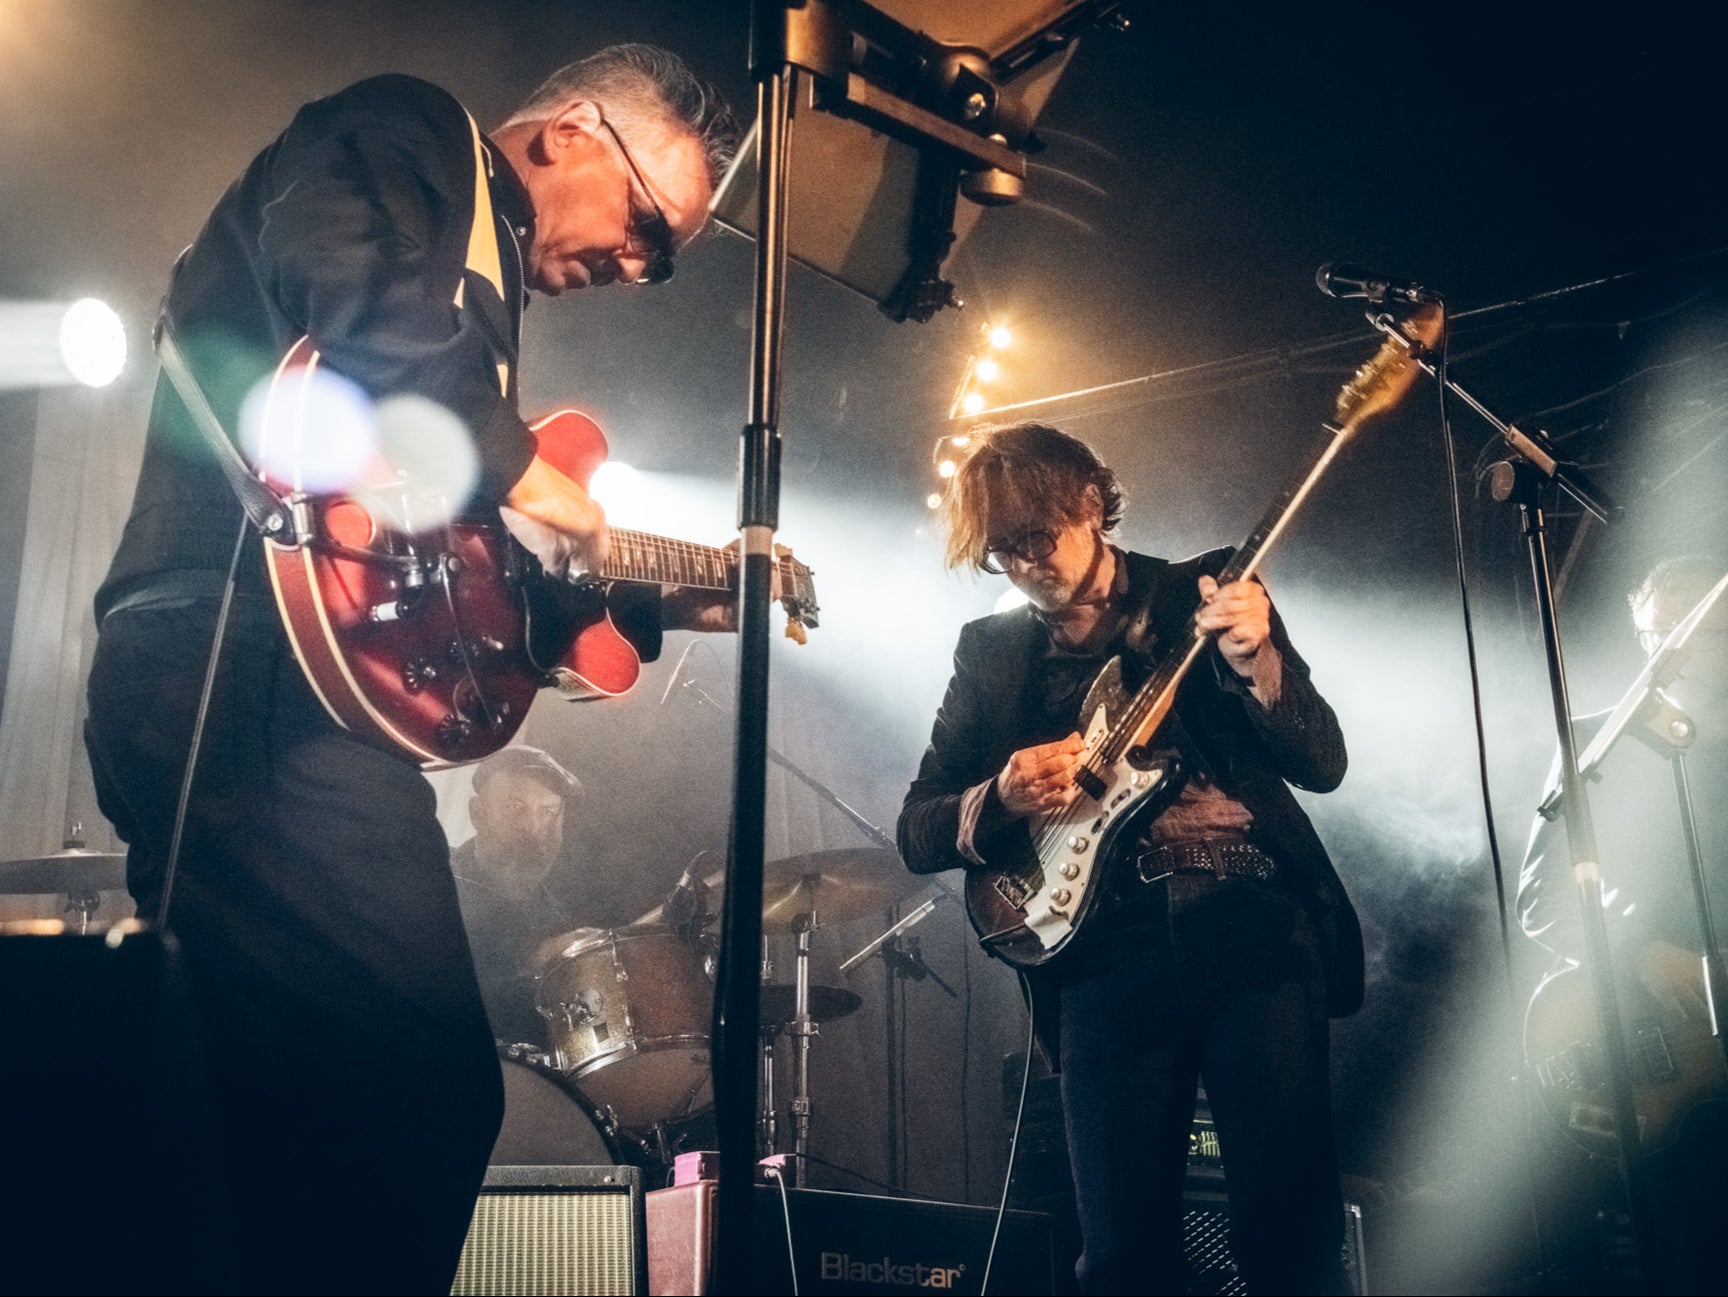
[{"x": 639, "y": 556}]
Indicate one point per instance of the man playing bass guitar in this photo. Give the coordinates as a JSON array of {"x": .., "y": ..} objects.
[{"x": 1223, "y": 938}]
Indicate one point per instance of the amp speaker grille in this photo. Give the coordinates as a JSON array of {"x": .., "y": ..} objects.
[{"x": 555, "y": 1238}]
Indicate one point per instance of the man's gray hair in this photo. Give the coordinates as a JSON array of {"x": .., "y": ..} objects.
[{"x": 641, "y": 87}]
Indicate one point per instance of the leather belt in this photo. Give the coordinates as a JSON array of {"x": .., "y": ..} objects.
[{"x": 1220, "y": 857}]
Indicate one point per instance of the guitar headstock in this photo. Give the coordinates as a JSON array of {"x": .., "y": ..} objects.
[
  {"x": 797, "y": 595},
  {"x": 1390, "y": 373}
]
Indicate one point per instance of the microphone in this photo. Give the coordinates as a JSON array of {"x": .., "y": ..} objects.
[
  {"x": 686, "y": 905},
  {"x": 1342, "y": 279},
  {"x": 678, "y": 671}
]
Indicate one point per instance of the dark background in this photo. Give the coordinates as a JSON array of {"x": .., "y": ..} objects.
[{"x": 1198, "y": 168}]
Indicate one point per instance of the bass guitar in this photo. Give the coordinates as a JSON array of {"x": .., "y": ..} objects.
[
  {"x": 1676, "y": 1063},
  {"x": 436, "y": 641},
  {"x": 1027, "y": 915}
]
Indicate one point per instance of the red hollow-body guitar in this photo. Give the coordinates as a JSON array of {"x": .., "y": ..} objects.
[{"x": 436, "y": 641}]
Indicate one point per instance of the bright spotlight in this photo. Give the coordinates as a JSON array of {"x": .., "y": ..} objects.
[
  {"x": 616, "y": 485},
  {"x": 972, "y": 402},
  {"x": 988, "y": 370},
  {"x": 947, "y": 468},
  {"x": 52, "y": 344},
  {"x": 999, "y": 336},
  {"x": 933, "y": 500},
  {"x": 960, "y": 442}
]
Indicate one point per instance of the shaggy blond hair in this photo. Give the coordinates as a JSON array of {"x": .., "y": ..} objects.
[{"x": 1028, "y": 469}]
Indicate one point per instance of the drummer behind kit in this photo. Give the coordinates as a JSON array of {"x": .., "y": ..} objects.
[{"x": 625, "y": 1072}]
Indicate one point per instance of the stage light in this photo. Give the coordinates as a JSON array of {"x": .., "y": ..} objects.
[
  {"x": 998, "y": 335},
  {"x": 53, "y": 344},
  {"x": 988, "y": 370},
  {"x": 960, "y": 442},
  {"x": 620, "y": 489},
  {"x": 972, "y": 402},
  {"x": 933, "y": 500}
]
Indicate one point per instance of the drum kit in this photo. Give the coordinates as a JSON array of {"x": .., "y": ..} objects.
[
  {"x": 629, "y": 1011},
  {"x": 624, "y": 1075},
  {"x": 78, "y": 874}
]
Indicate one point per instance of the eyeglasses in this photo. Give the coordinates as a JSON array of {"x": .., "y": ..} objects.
[
  {"x": 647, "y": 224},
  {"x": 1029, "y": 547}
]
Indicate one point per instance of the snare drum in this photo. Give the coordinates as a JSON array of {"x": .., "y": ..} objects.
[{"x": 628, "y": 1015}]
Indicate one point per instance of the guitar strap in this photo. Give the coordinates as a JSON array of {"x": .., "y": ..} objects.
[
  {"x": 483, "y": 255},
  {"x": 265, "y": 510}
]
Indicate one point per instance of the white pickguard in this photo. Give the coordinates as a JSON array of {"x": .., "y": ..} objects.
[{"x": 1072, "y": 860}]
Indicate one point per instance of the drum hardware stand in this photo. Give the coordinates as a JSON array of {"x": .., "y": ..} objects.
[
  {"x": 899, "y": 964},
  {"x": 1533, "y": 466},
  {"x": 802, "y": 1029},
  {"x": 1645, "y": 713}
]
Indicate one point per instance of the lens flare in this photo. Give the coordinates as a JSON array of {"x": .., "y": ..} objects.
[
  {"x": 310, "y": 430},
  {"x": 434, "y": 458}
]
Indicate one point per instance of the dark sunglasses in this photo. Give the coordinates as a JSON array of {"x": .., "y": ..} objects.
[
  {"x": 647, "y": 225},
  {"x": 1029, "y": 547}
]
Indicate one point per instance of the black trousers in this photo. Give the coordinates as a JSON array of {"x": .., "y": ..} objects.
[
  {"x": 1198, "y": 977},
  {"x": 358, "y": 1090}
]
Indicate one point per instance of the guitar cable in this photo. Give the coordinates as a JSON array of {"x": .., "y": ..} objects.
[
  {"x": 218, "y": 636},
  {"x": 1014, "y": 1140}
]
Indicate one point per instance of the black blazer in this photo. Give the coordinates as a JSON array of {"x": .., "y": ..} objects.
[{"x": 1253, "y": 753}]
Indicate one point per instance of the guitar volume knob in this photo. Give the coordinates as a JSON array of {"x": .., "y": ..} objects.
[
  {"x": 1070, "y": 870},
  {"x": 1077, "y": 843},
  {"x": 1061, "y": 896}
]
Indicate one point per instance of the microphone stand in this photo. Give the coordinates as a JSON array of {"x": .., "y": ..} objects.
[
  {"x": 1533, "y": 467},
  {"x": 1650, "y": 717}
]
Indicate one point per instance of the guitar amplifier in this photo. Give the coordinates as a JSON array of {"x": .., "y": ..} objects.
[
  {"x": 848, "y": 1243},
  {"x": 556, "y": 1230}
]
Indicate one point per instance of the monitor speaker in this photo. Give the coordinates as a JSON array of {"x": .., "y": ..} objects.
[{"x": 556, "y": 1230}]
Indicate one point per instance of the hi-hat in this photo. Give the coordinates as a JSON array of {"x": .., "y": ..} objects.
[
  {"x": 780, "y": 1004},
  {"x": 73, "y": 870}
]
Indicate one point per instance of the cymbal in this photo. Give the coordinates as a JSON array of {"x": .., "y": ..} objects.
[
  {"x": 839, "y": 885},
  {"x": 72, "y": 870},
  {"x": 779, "y": 1003},
  {"x": 847, "y": 883}
]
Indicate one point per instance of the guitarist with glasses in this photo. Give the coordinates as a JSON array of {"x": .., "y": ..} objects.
[
  {"x": 1680, "y": 1084},
  {"x": 357, "y": 1089},
  {"x": 1223, "y": 940}
]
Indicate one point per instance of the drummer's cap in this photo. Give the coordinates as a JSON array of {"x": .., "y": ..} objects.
[{"x": 522, "y": 759}]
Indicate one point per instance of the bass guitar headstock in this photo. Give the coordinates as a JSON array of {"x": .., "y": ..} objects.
[{"x": 1390, "y": 373}]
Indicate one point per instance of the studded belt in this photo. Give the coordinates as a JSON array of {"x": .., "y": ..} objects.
[{"x": 1221, "y": 857}]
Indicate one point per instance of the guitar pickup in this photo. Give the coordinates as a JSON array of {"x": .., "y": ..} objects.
[{"x": 1013, "y": 891}]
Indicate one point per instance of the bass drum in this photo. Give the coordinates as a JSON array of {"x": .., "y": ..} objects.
[
  {"x": 544, "y": 1125},
  {"x": 628, "y": 1013}
]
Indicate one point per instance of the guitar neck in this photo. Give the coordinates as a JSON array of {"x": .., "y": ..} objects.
[
  {"x": 640, "y": 556},
  {"x": 1153, "y": 701}
]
